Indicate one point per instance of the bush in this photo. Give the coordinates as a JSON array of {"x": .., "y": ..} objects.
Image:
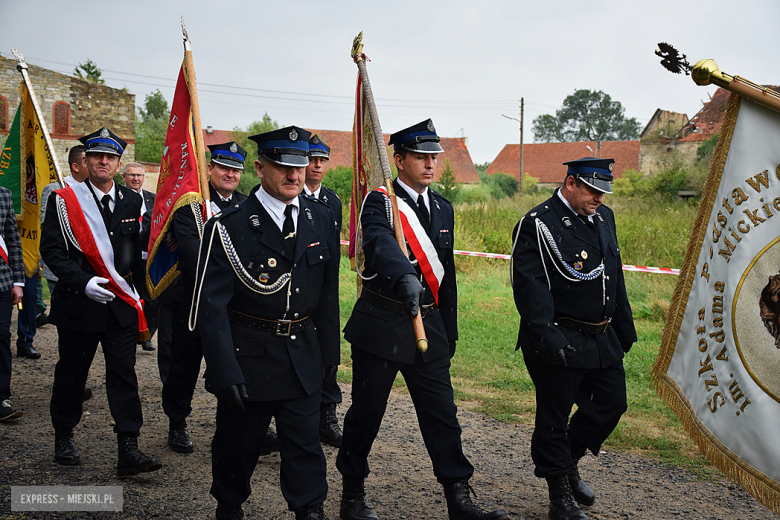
[
  {"x": 530, "y": 185},
  {"x": 339, "y": 179},
  {"x": 476, "y": 195},
  {"x": 501, "y": 185}
]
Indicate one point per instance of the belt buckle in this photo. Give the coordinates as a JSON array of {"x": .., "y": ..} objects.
[{"x": 279, "y": 327}]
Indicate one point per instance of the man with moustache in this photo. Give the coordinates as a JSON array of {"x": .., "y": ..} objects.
[
  {"x": 575, "y": 326},
  {"x": 91, "y": 242},
  {"x": 269, "y": 316},
  {"x": 319, "y": 155}
]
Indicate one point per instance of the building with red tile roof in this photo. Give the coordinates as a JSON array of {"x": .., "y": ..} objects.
[{"x": 545, "y": 160}]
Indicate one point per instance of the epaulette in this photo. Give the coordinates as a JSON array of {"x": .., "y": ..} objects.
[
  {"x": 332, "y": 192},
  {"x": 539, "y": 210}
]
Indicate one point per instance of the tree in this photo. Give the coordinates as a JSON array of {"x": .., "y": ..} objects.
[
  {"x": 241, "y": 136},
  {"x": 151, "y": 127},
  {"x": 89, "y": 71},
  {"x": 586, "y": 115},
  {"x": 448, "y": 184}
]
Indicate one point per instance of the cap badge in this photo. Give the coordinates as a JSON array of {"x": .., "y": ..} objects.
[
  {"x": 263, "y": 277},
  {"x": 610, "y": 166},
  {"x": 578, "y": 266},
  {"x": 430, "y": 126},
  {"x": 272, "y": 262},
  {"x": 293, "y": 135},
  {"x": 104, "y": 132},
  {"x": 233, "y": 148},
  {"x": 584, "y": 255},
  {"x": 315, "y": 140}
]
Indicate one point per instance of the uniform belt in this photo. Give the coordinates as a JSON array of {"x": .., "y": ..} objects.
[
  {"x": 278, "y": 327},
  {"x": 390, "y": 304},
  {"x": 583, "y": 326}
]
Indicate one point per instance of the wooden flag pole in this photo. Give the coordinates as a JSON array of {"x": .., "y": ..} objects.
[
  {"x": 21, "y": 66},
  {"x": 192, "y": 87},
  {"x": 387, "y": 174}
]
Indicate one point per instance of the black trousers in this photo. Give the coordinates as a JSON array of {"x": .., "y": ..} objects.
[
  {"x": 236, "y": 448},
  {"x": 164, "y": 338},
  {"x": 600, "y": 396},
  {"x": 184, "y": 369},
  {"x": 431, "y": 391},
  {"x": 77, "y": 350},
  {"x": 331, "y": 393}
]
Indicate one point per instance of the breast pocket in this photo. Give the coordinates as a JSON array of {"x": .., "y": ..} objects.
[
  {"x": 316, "y": 257},
  {"x": 129, "y": 226},
  {"x": 445, "y": 239}
]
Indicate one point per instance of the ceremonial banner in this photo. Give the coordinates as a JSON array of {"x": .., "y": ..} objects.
[
  {"x": 25, "y": 169},
  {"x": 177, "y": 186},
  {"x": 366, "y": 170},
  {"x": 719, "y": 363}
]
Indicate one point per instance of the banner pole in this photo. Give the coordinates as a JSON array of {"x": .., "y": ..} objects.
[
  {"x": 387, "y": 174},
  {"x": 22, "y": 67},
  {"x": 197, "y": 128}
]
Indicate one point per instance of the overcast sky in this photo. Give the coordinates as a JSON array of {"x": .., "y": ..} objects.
[{"x": 462, "y": 63}]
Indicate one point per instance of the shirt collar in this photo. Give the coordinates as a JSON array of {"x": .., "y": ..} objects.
[
  {"x": 276, "y": 206},
  {"x": 566, "y": 202},
  {"x": 315, "y": 193},
  {"x": 413, "y": 194}
]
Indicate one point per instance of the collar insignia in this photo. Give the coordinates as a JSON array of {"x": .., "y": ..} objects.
[{"x": 566, "y": 221}]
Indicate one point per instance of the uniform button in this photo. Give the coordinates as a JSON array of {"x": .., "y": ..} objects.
[
  {"x": 295, "y": 315},
  {"x": 292, "y": 337},
  {"x": 607, "y": 298},
  {"x": 295, "y": 265},
  {"x": 297, "y": 290},
  {"x": 607, "y": 277},
  {"x": 320, "y": 257},
  {"x": 111, "y": 233},
  {"x": 237, "y": 349}
]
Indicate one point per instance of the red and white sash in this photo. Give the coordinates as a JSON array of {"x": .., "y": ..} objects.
[
  {"x": 420, "y": 244},
  {"x": 89, "y": 229}
]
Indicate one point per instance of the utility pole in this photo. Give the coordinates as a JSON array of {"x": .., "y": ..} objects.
[{"x": 522, "y": 110}]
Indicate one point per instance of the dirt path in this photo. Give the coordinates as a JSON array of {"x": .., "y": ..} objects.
[{"x": 401, "y": 485}]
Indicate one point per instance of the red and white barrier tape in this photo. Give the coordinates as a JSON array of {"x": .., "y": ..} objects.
[{"x": 634, "y": 268}]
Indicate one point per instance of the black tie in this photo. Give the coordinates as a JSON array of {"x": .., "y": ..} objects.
[
  {"x": 591, "y": 225},
  {"x": 424, "y": 211},
  {"x": 288, "y": 228},
  {"x": 106, "y": 210}
]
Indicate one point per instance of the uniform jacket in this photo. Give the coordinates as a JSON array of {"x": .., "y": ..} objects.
[
  {"x": 388, "y": 334},
  {"x": 272, "y": 367},
  {"x": 146, "y": 218},
  {"x": 185, "y": 230},
  {"x": 591, "y": 301},
  {"x": 70, "y": 307},
  {"x": 329, "y": 197},
  {"x": 13, "y": 273}
]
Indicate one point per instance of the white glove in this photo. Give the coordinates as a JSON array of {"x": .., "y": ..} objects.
[{"x": 96, "y": 292}]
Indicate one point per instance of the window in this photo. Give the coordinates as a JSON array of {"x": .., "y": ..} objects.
[
  {"x": 61, "y": 118},
  {"x": 3, "y": 114}
]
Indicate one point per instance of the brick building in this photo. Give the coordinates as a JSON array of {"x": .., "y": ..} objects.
[
  {"x": 71, "y": 107},
  {"x": 545, "y": 160}
]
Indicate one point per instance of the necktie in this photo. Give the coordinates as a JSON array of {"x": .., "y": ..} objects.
[
  {"x": 591, "y": 225},
  {"x": 106, "y": 210},
  {"x": 424, "y": 212},
  {"x": 288, "y": 228}
]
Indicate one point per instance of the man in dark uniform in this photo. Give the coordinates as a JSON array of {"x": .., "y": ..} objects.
[
  {"x": 100, "y": 213},
  {"x": 382, "y": 337},
  {"x": 319, "y": 155},
  {"x": 224, "y": 171},
  {"x": 269, "y": 317},
  {"x": 133, "y": 175},
  {"x": 575, "y": 325}
]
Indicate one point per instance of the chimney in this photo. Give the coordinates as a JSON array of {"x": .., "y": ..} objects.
[
  {"x": 465, "y": 141},
  {"x": 209, "y": 130}
]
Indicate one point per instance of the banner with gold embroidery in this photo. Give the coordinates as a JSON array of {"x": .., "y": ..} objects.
[{"x": 719, "y": 363}]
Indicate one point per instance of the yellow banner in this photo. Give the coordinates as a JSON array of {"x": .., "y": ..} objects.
[{"x": 37, "y": 163}]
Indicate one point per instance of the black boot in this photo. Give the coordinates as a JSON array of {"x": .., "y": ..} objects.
[
  {"x": 353, "y": 501},
  {"x": 330, "y": 433},
  {"x": 226, "y": 512},
  {"x": 311, "y": 513},
  {"x": 65, "y": 451},
  {"x": 179, "y": 438},
  {"x": 270, "y": 443},
  {"x": 131, "y": 460},
  {"x": 562, "y": 504},
  {"x": 460, "y": 506},
  {"x": 579, "y": 488}
]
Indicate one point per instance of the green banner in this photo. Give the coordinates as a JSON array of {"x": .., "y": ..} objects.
[{"x": 11, "y": 164}]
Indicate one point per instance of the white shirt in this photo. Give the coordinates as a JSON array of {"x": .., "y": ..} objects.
[
  {"x": 590, "y": 217},
  {"x": 99, "y": 194},
  {"x": 143, "y": 200},
  {"x": 275, "y": 207},
  {"x": 414, "y": 195},
  {"x": 315, "y": 193}
]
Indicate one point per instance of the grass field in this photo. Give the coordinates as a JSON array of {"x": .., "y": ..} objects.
[{"x": 489, "y": 376}]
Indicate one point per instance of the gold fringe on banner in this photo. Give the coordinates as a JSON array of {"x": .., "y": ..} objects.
[{"x": 763, "y": 488}]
